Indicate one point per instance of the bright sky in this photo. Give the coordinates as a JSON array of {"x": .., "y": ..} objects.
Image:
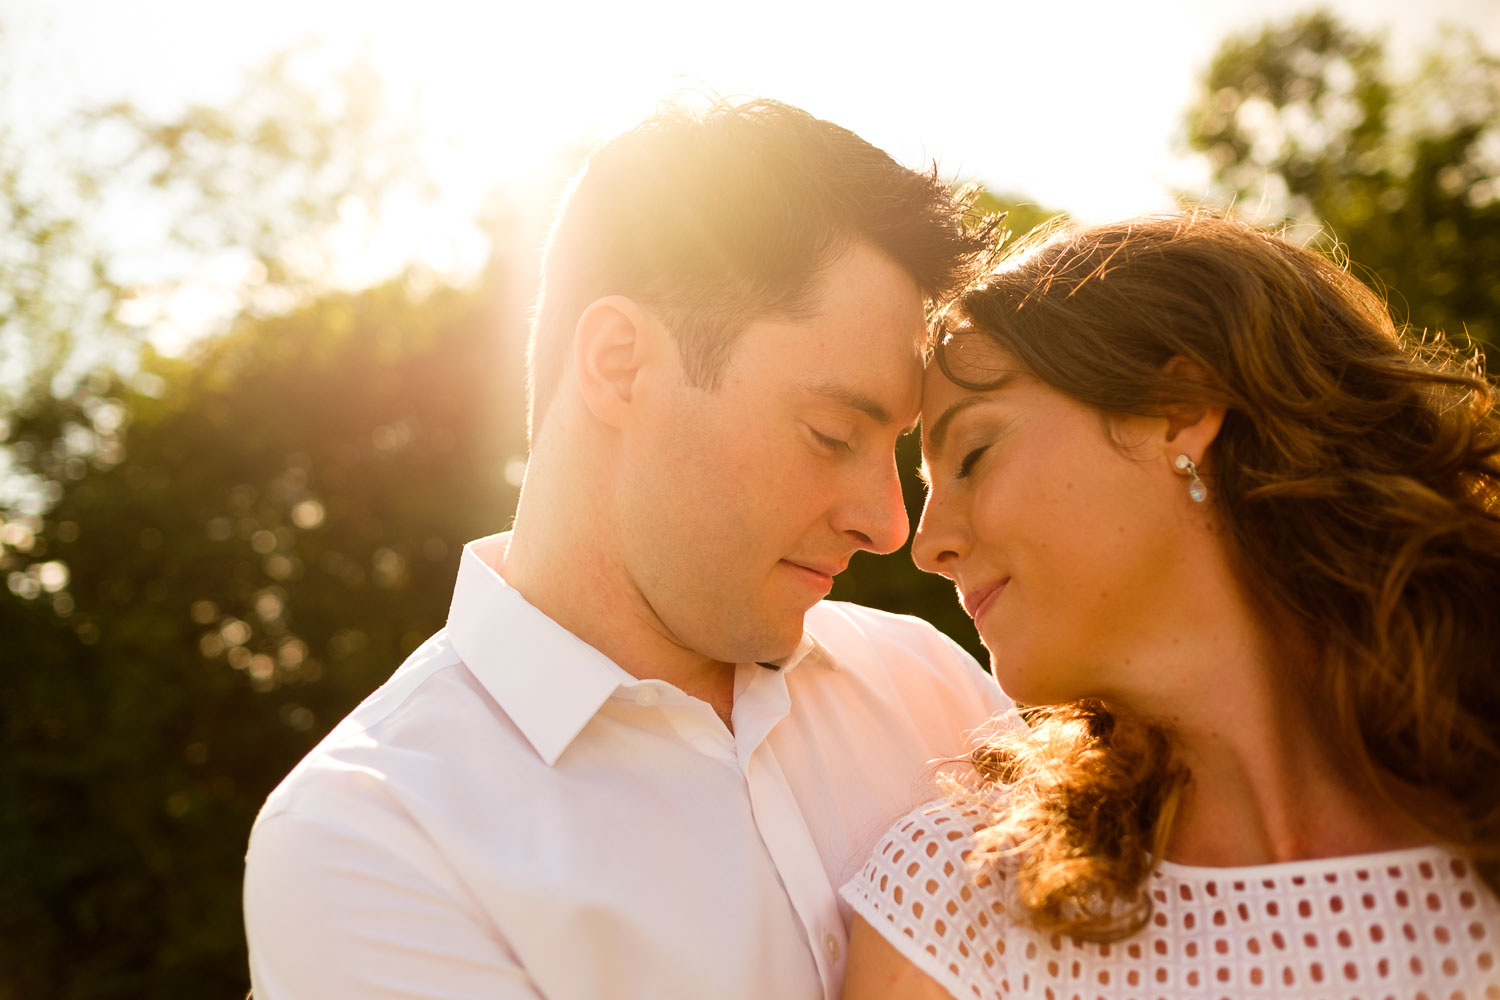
[{"x": 1076, "y": 105}]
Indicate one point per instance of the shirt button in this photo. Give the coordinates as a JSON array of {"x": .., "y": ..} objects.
[
  {"x": 831, "y": 947},
  {"x": 647, "y": 697}
]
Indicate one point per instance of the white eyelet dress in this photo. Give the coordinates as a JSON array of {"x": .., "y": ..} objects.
[{"x": 1406, "y": 924}]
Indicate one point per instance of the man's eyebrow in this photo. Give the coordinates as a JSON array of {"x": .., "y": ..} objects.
[
  {"x": 850, "y": 397},
  {"x": 939, "y": 428}
]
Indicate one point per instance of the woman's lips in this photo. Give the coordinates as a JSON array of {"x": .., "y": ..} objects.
[{"x": 978, "y": 603}]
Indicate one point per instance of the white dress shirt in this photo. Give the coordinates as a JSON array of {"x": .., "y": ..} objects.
[{"x": 513, "y": 815}]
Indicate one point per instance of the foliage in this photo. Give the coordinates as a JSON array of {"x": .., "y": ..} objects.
[
  {"x": 274, "y": 174},
  {"x": 223, "y": 553},
  {"x": 1021, "y": 215},
  {"x": 1310, "y": 121},
  {"x": 107, "y": 219},
  {"x": 282, "y": 529},
  {"x": 210, "y": 560},
  {"x": 54, "y": 285}
]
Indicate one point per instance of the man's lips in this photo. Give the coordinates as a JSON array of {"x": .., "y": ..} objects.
[
  {"x": 816, "y": 574},
  {"x": 977, "y": 602}
]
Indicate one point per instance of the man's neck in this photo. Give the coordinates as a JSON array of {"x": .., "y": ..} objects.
[{"x": 578, "y": 581}]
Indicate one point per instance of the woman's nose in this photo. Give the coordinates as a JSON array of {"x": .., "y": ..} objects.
[{"x": 941, "y": 539}]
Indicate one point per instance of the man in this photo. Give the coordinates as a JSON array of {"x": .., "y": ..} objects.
[{"x": 642, "y": 756}]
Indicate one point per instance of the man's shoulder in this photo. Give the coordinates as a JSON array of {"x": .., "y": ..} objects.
[
  {"x": 905, "y": 656},
  {"x": 844, "y": 628},
  {"x": 389, "y": 740},
  {"x": 894, "y": 680}
]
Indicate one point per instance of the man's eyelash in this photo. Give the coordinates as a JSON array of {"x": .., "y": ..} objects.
[
  {"x": 967, "y": 465},
  {"x": 831, "y": 443}
]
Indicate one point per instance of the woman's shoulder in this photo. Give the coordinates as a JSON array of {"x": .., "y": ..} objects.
[
  {"x": 923, "y": 890},
  {"x": 1415, "y": 919},
  {"x": 936, "y": 839}
]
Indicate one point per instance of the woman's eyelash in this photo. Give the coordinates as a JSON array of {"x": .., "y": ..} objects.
[{"x": 967, "y": 465}]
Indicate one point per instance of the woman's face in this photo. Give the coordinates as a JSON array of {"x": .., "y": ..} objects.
[{"x": 1059, "y": 536}]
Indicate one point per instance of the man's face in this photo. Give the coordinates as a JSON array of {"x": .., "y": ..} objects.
[{"x": 740, "y": 505}]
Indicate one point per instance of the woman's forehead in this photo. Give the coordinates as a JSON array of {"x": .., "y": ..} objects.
[{"x": 972, "y": 357}]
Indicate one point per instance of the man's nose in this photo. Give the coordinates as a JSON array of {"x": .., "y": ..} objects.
[{"x": 876, "y": 514}]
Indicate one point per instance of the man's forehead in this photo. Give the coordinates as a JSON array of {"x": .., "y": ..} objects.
[
  {"x": 849, "y": 393},
  {"x": 890, "y": 399}
]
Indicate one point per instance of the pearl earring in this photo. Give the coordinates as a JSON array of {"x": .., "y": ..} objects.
[{"x": 1196, "y": 489}]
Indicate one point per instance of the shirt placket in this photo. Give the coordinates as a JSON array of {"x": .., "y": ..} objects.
[{"x": 778, "y": 816}]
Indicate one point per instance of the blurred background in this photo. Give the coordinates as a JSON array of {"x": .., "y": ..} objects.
[{"x": 264, "y": 274}]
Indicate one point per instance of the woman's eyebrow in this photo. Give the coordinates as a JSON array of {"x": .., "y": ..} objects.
[{"x": 939, "y": 428}]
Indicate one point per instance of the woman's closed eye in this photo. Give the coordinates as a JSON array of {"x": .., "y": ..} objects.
[{"x": 966, "y": 466}]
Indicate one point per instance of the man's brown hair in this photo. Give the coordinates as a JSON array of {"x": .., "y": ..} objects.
[{"x": 714, "y": 218}]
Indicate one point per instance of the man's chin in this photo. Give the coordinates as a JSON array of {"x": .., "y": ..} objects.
[
  {"x": 773, "y": 644},
  {"x": 774, "y": 659}
]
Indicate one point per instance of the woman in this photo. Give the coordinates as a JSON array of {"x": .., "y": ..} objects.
[{"x": 1239, "y": 544}]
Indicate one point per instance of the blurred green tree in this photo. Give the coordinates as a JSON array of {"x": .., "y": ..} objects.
[
  {"x": 210, "y": 559},
  {"x": 109, "y": 216},
  {"x": 281, "y": 529},
  {"x": 1308, "y": 121}
]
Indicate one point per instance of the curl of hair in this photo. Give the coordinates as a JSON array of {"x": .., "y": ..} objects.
[
  {"x": 1085, "y": 804},
  {"x": 1356, "y": 476}
]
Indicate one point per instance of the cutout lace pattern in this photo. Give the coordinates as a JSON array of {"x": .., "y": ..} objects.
[{"x": 1403, "y": 924}]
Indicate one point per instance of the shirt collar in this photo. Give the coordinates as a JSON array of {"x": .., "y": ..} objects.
[
  {"x": 546, "y": 679},
  {"x": 809, "y": 650},
  {"x": 549, "y": 681}
]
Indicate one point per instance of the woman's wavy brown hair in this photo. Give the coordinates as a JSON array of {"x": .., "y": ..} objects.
[{"x": 1356, "y": 476}]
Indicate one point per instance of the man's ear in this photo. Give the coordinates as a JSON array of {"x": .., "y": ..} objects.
[
  {"x": 613, "y": 340},
  {"x": 1191, "y": 427}
]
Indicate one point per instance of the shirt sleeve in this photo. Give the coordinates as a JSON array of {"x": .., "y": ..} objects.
[
  {"x": 330, "y": 913},
  {"x": 919, "y": 892}
]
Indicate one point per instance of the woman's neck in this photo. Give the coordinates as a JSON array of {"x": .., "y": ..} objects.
[
  {"x": 1263, "y": 792},
  {"x": 1271, "y": 780}
]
